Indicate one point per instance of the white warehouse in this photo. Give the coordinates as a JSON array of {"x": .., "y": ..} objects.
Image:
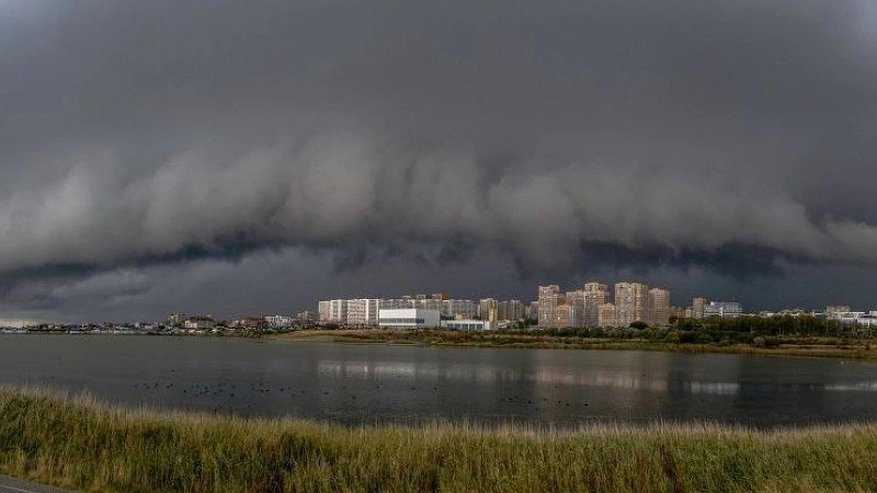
[
  {"x": 409, "y": 318},
  {"x": 469, "y": 325}
]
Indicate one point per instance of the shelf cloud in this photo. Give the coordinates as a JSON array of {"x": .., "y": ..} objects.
[{"x": 733, "y": 138}]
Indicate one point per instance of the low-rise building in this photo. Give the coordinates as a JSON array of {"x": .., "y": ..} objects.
[
  {"x": 833, "y": 312},
  {"x": 723, "y": 309},
  {"x": 279, "y": 321},
  {"x": 409, "y": 318},
  {"x": 469, "y": 325},
  {"x": 199, "y": 323}
]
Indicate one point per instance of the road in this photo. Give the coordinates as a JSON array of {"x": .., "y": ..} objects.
[{"x": 13, "y": 485}]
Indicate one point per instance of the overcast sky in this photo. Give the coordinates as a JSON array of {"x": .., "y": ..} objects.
[{"x": 234, "y": 157}]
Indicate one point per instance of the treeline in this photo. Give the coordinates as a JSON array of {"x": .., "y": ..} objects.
[
  {"x": 759, "y": 331},
  {"x": 802, "y": 325}
]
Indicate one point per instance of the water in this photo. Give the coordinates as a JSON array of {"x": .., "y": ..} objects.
[{"x": 377, "y": 383}]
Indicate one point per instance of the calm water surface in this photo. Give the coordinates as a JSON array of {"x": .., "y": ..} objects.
[{"x": 378, "y": 383}]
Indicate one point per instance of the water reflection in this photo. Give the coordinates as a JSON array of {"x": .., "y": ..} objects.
[
  {"x": 853, "y": 387},
  {"x": 355, "y": 384},
  {"x": 488, "y": 374}
]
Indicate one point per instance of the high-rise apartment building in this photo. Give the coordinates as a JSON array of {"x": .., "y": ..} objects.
[
  {"x": 659, "y": 306},
  {"x": 595, "y": 297},
  {"x": 338, "y": 311},
  {"x": 459, "y": 309},
  {"x": 324, "y": 310},
  {"x": 395, "y": 303},
  {"x": 548, "y": 301},
  {"x": 533, "y": 310},
  {"x": 606, "y": 315},
  {"x": 697, "y": 306},
  {"x": 488, "y": 309},
  {"x": 576, "y": 301},
  {"x": 362, "y": 311},
  {"x": 511, "y": 310},
  {"x": 564, "y": 315},
  {"x": 631, "y": 303}
]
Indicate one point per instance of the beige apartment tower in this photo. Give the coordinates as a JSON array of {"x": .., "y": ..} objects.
[
  {"x": 606, "y": 315},
  {"x": 549, "y": 296},
  {"x": 631, "y": 303},
  {"x": 564, "y": 315},
  {"x": 697, "y": 307},
  {"x": 595, "y": 297},
  {"x": 659, "y": 306},
  {"x": 576, "y": 301}
]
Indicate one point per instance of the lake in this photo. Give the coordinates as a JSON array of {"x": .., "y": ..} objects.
[{"x": 355, "y": 384}]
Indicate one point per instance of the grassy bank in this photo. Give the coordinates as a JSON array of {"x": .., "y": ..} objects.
[
  {"x": 816, "y": 347},
  {"x": 82, "y": 445}
]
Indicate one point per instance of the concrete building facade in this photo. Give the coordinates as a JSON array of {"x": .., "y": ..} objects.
[
  {"x": 723, "y": 309},
  {"x": 469, "y": 325},
  {"x": 697, "y": 307},
  {"x": 548, "y": 297},
  {"x": 606, "y": 316},
  {"x": 488, "y": 309},
  {"x": 576, "y": 301},
  {"x": 337, "y": 311},
  {"x": 511, "y": 310},
  {"x": 362, "y": 311},
  {"x": 659, "y": 306},
  {"x": 595, "y": 296},
  {"x": 409, "y": 318},
  {"x": 631, "y": 303}
]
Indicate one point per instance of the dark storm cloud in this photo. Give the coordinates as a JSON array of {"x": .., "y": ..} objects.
[{"x": 731, "y": 136}]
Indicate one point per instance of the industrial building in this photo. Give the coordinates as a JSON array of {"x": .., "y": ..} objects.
[{"x": 409, "y": 318}]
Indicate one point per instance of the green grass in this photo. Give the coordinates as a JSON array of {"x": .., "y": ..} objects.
[{"x": 80, "y": 444}]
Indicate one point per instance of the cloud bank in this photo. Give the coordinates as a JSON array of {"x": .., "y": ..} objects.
[{"x": 735, "y": 139}]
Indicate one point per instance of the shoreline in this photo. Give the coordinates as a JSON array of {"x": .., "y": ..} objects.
[
  {"x": 77, "y": 442},
  {"x": 791, "y": 347}
]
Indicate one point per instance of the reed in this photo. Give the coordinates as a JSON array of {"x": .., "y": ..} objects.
[{"x": 76, "y": 442}]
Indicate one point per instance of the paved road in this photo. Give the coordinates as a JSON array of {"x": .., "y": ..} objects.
[{"x": 13, "y": 485}]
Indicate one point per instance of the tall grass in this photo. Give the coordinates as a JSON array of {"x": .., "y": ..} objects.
[{"x": 81, "y": 444}]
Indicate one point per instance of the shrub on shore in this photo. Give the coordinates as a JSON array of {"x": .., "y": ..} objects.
[{"x": 78, "y": 443}]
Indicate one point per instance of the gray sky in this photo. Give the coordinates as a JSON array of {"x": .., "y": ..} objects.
[{"x": 238, "y": 157}]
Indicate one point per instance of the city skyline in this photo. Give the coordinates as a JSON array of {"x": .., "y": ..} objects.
[
  {"x": 254, "y": 157},
  {"x": 531, "y": 297}
]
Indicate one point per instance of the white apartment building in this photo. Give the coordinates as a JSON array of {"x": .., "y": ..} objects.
[
  {"x": 362, "y": 311},
  {"x": 723, "y": 309},
  {"x": 324, "y": 310},
  {"x": 338, "y": 311}
]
